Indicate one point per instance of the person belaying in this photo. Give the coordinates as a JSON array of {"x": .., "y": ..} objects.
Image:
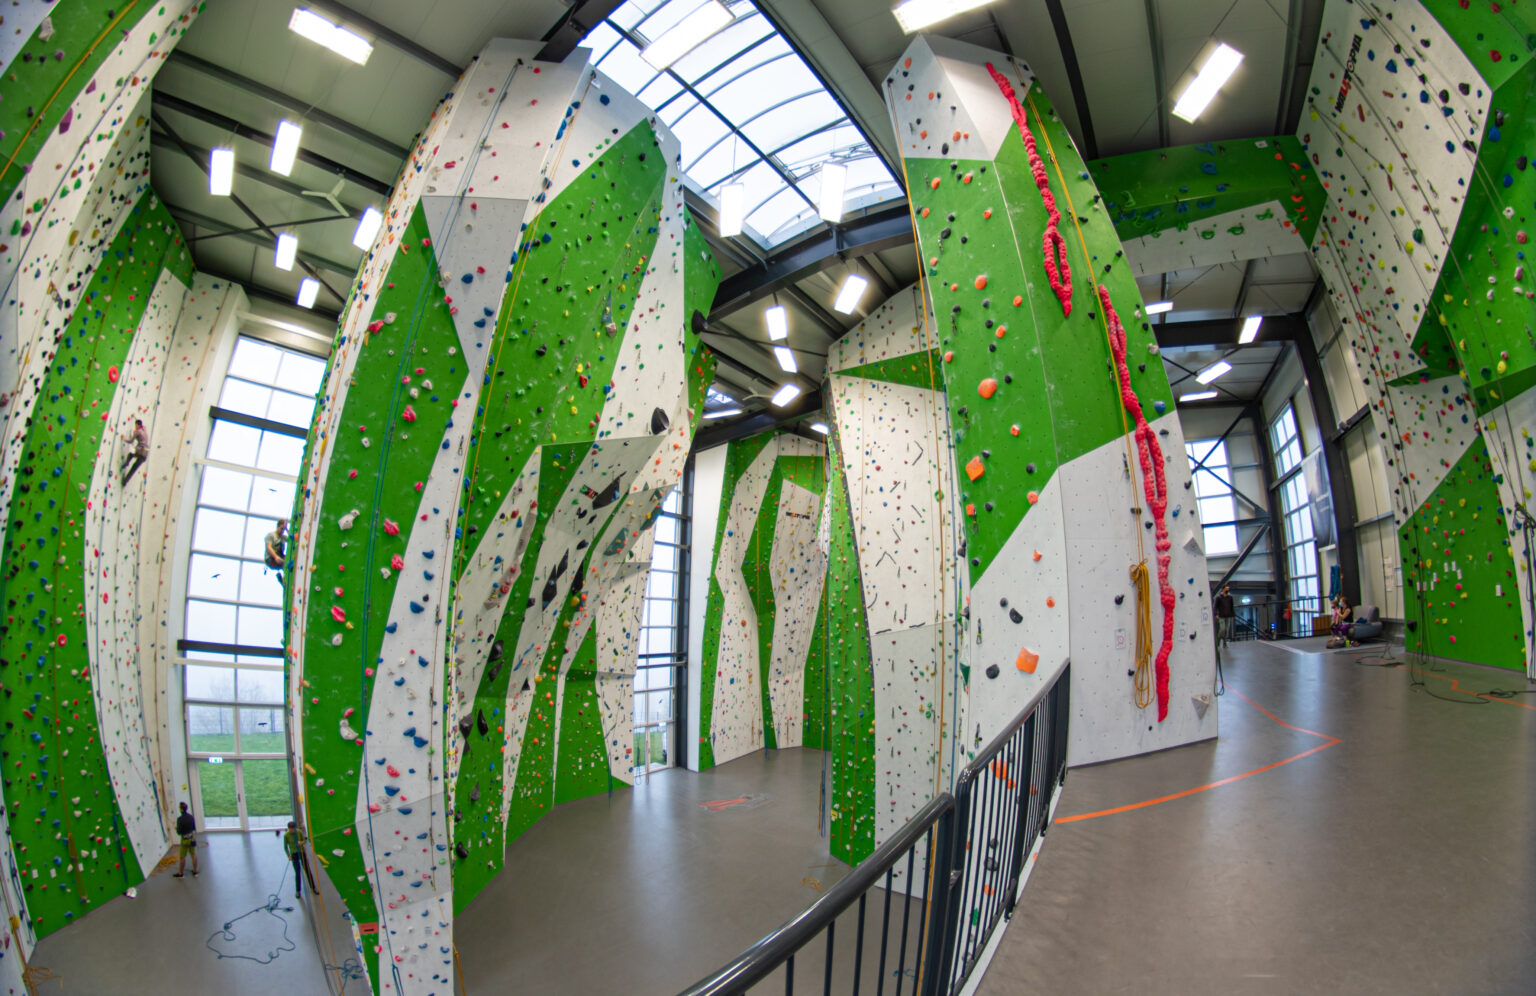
[
  {"x": 139, "y": 437},
  {"x": 1226, "y": 616},
  {"x": 277, "y": 546},
  {"x": 293, "y": 845},
  {"x": 186, "y": 830}
]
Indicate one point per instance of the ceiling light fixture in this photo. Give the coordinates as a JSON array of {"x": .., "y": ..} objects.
[
  {"x": 1159, "y": 307},
  {"x": 221, "y": 172},
  {"x": 786, "y": 358},
  {"x": 733, "y": 208},
  {"x": 724, "y": 413},
  {"x": 686, "y": 35},
  {"x": 1217, "y": 70},
  {"x": 1250, "y": 329},
  {"x": 785, "y": 395},
  {"x": 347, "y": 44},
  {"x": 851, "y": 293},
  {"x": 1197, "y": 396},
  {"x": 1213, "y": 371},
  {"x": 778, "y": 322},
  {"x": 834, "y": 185},
  {"x": 308, "y": 289},
  {"x": 916, "y": 14},
  {"x": 820, "y": 427},
  {"x": 367, "y": 228},
  {"x": 287, "y": 249},
  {"x": 285, "y": 147}
]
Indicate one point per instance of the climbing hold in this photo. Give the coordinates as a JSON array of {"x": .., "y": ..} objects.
[
  {"x": 987, "y": 388},
  {"x": 1027, "y": 660}
]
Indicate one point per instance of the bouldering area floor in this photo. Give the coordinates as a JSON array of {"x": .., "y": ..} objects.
[
  {"x": 173, "y": 936},
  {"x": 1369, "y": 837},
  {"x": 651, "y": 889}
]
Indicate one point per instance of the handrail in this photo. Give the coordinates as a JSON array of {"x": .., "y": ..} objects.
[
  {"x": 755, "y": 963},
  {"x": 946, "y": 818},
  {"x": 985, "y": 755}
]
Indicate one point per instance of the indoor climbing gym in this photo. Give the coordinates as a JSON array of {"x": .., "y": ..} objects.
[{"x": 708, "y": 497}]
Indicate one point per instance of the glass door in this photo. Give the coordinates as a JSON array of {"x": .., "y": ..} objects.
[{"x": 237, "y": 742}]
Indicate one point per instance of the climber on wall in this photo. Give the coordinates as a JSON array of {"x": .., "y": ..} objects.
[
  {"x": 139, "y": 437},
  {"x": 277, "y": 546}
]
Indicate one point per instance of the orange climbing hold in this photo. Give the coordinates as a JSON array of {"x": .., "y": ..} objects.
[
  {"x": 975, "y": 468},
  {"x": 935, "y": 183},
  {"x": 1027, "y": 660},
  {"x": 981, "y": 282},
  {"x": 1034, "y": 496},
  {"x": 987, "y": 213},
  {"x": 1018, "y": 299},
  {"x": 987, "y": 387}
]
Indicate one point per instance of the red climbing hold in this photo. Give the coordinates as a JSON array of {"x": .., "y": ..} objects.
[{"x": 112, "y": 374}]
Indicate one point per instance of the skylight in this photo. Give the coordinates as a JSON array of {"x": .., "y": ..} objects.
[{"x": 747, "y": 109}]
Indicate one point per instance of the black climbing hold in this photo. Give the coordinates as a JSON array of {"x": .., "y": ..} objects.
[
  {"x": 660, "y": 422},
  {"x": 1014, "y": 616},
  {"x": 992, "y": 671},
  {"x": 1119, "y": 599},
  {"x": 481, "y": 724}
]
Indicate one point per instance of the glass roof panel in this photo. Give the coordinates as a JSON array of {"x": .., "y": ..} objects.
[
  {"x": 743, "y": 104},
  {"x": 790, "y": 120}
]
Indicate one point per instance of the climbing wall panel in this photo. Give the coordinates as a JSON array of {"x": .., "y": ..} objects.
[
  {"x": 1419, "y": 120},
  {"x": 513, "y": 392},
  {"x": 765, "y": 593},
  {"x": 892, "y": 425},
  {"x": 1045, "y": 361},
  {"x": 73, "y": 845}
]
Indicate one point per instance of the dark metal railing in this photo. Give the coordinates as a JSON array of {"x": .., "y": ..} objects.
[{"x": 928, "y": 900}]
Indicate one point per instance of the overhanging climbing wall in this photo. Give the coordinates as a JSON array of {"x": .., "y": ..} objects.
[
  {"x": 1419, "y": 123},
  {"x": 513, "y": 393},
  {"x": 1048, "y": 367},
  {"x": 762, "y": 677},
  {"x": 895, "y": 546}
]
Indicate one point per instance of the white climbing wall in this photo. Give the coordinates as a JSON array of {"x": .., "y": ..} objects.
[
  {"x": 895, "y": 447},
  {"x": 797, "y": 568}
]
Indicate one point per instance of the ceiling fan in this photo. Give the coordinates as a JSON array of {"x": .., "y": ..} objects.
[{"x": 330, "y": 196}]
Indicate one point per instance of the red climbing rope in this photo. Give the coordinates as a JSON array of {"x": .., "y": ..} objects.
[
  {"x": 1053, "y": 246},
  {"x": 1155, "y": 487}
]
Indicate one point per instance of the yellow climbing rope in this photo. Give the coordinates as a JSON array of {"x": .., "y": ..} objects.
[{"x": 1145, "y": 689}]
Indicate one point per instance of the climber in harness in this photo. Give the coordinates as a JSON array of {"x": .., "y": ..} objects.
[{"x": 276, "y": 547}]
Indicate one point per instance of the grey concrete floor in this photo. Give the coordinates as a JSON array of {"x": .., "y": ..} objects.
[
  {"x": 1401, "y": 859},
  {"x": 171, "y": 938}
]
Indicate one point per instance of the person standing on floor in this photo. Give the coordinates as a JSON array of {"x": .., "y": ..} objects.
[
  {"x": 140, "y": 440},
  {"x": 293, "y": 844},
  {"x": 186, "y": 829},
  {"x": 1226, "y": 616}
]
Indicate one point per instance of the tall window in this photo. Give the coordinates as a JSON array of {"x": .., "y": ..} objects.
[
  {"x": 232, "y": 645},
  {"x": 1296, "y": 507},
  {"x": 663, "y": 639},
  {"x": 1213, "y": 490}
]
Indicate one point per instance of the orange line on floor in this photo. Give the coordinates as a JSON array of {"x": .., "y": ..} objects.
[
  {"x": 1217, "y": 784},
  {"x": 1456, "y": 687}
]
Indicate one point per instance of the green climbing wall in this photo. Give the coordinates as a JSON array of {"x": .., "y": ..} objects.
[{"x": 66, "y": 830}]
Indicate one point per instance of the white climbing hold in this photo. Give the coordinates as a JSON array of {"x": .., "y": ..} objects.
[
  {"x": 346, "y": 521},
  {"x": 389, "y": 317},
  {"x": 336, "y": 640},
  {"x": 1202, "y": 703},
  {"x": 347, "y": 733}
]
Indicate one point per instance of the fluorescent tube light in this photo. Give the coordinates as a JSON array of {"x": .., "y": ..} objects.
[
  {"x": 820, "y": 427},
  {"x": 1250, "y": 329},
  {"x": 287, "y": 248},
  {"x": 221, "y": 172},
  {"x": 852, "y": 291},
  {"x": 724, "y": 413},
  {"x": 686, "y": 35},
  {"x": 347, "y": 44},
  {"x": 834, "y": 184},
  {"x": 785, "y": 395},
  {"x": 367, "y": 228},
  {"x": 1213, "y": 371},
  {"x": 778, "y": 322},
  {"x": 733, "y": 208},
  {"x": 1217, "y": 70},
  {"x": 307, "y": 292},
  {"x": 1197, "y": 396},
  {"x": 916, "y": 14},
  {"x": 1159, "y": 307},
  {"x": 285, "y": 147},
  {"x": 786, "y": 358}
]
